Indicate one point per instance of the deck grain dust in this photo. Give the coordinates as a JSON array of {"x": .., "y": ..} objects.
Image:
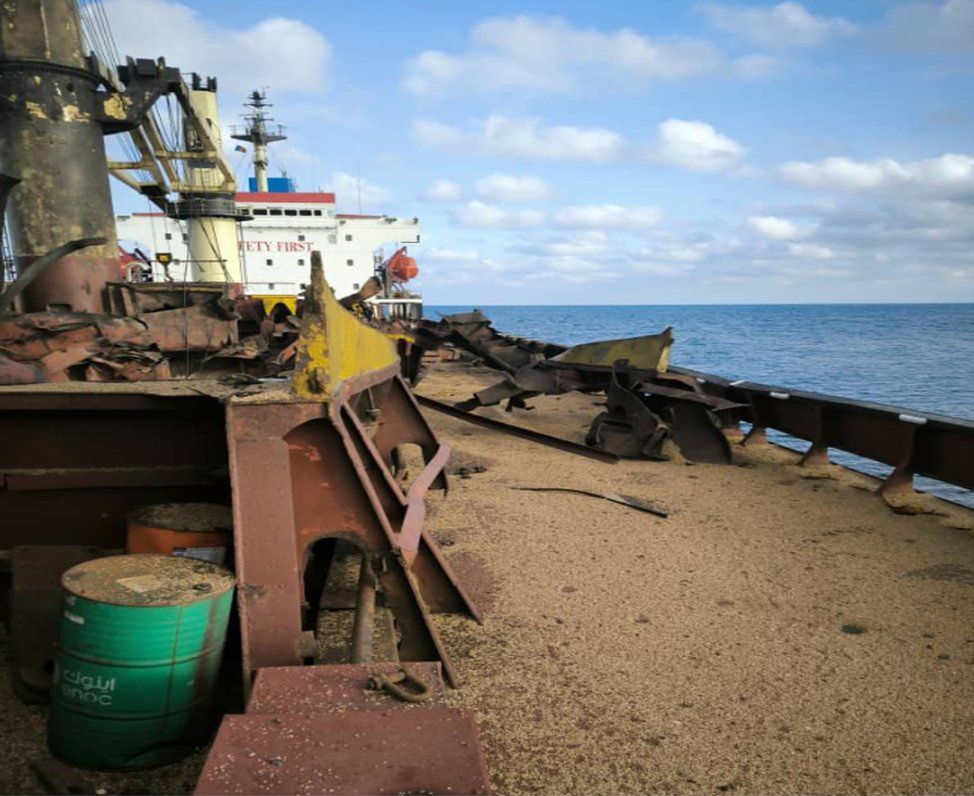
[{"x": 704, "y": 653}]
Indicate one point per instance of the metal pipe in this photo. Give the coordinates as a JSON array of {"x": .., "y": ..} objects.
[{"x": 363, "y": 627}]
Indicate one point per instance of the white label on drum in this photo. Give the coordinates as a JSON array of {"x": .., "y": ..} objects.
[{"x": 142, "y": 583}]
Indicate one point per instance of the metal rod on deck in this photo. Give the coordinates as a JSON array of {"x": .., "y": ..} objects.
[{"x": 364, "y": 624}]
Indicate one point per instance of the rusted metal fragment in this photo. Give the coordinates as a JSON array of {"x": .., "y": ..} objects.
[
  {"x": 335, "y": 688},
  {"x": 20, "y": 372},
  {"x": 127, "y": 331},
  {"x": 196, "y": 328},
  {"x": 37, "y": 266},
  {"x": 56, "y": 363},
  {"x": 431, "y": 750},
  {"x": 473, "y": 331}
]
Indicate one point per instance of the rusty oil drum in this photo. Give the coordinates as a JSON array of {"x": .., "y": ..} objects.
[
  {"x": 139, "y": 647},
  {"x": 200, "y": 530}
]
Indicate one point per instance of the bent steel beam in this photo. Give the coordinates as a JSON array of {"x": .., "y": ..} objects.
[{"x": 320, "y": 464}]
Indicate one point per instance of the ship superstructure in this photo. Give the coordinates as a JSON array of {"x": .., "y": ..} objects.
[{"x": 285, "y": 225}]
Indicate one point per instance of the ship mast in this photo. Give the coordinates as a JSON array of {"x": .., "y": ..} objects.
[{"x": 260, "y": 133}]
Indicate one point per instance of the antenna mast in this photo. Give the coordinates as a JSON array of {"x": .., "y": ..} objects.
[{"x": 258, "y": 131}]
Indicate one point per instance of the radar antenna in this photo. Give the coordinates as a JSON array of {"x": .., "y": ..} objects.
[{"x": 258, "y": 131}]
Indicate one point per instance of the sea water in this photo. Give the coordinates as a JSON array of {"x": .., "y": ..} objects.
[{"x": 913, "y": 356}]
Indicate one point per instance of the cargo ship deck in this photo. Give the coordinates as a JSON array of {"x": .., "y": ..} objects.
[{"x": 781, "y": 630}]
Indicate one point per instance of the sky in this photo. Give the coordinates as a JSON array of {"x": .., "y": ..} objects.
[{"x": 618, "y": 152}]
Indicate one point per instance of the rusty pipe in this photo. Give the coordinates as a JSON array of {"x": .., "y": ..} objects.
[{"x": 363, "y": 626}]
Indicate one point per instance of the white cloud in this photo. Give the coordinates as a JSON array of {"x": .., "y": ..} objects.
[
  {"x": 774, "y": 228},
  {"x": 811, "y": 251},
  {"x": 946, "y": 26},
  {"x": 947, "y": 176},
  {"x": 592, "y": 243},
  {"x": 438, "y": 255},
  {"x": 695, "y": 146},
  {"x": 550, "y": 54},
  {"x": 484, "y": 216},
  {"x": 508, "y": 188},
  {"x": 353, "y": 194},
  {"x": 786, "y": 25},
  {"x": 242, "y": 59},
  {"x": 608, "y": 217},
  {"x": 523, "y": 138},
  {"x": 587, "y": 244},
  {"x": 443, "y": 191},
  {"x": 662, "y": 269},
  {"x": 691, "y": 145},
  {"x": 758, "y": 67}
]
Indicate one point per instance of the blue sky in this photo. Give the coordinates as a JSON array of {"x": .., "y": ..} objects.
[{"x": 619, "y": 152}]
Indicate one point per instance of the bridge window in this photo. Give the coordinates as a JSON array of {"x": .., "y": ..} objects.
[
  {"x": 275, "y": 211},
  {"x": 290, "y": 212},
  {"x": 260, "y": 211},
  {"x": 317, "y": 212},
  {"x": 304, "y": 212}
]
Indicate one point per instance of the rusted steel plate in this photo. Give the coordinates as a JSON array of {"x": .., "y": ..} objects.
[
  {"x": 196, "y": 328},
  {"x": 64, "y": 452},
  {"x": 435, "y": 750},
  {"x": 35, "y": 603},
  {"x": 107, "y": 477},
  {"x": 335, "y": 688}
]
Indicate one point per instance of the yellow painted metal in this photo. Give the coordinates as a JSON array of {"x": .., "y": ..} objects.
[
  {"x": 334, "y": 345},
  {"x": 647, "y": 352},
  {"x": 211, "y": 240},
  {"x": 269, "y": 302}
]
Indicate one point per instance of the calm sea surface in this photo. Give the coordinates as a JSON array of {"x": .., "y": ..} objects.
[{"x": 916, "y": 356}]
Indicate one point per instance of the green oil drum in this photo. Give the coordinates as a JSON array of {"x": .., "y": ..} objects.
[{"x": 139, "y": 647}]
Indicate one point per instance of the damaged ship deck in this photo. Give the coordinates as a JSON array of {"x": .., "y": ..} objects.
[
  {"x": 709, "y": 651},
  {"x": 781, "y": 630}
]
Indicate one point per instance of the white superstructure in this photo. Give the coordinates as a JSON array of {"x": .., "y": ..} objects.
[{"x": 276, "y": 245}]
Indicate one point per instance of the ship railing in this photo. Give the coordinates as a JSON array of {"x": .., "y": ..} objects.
[{"x": 911, "y": 442}]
